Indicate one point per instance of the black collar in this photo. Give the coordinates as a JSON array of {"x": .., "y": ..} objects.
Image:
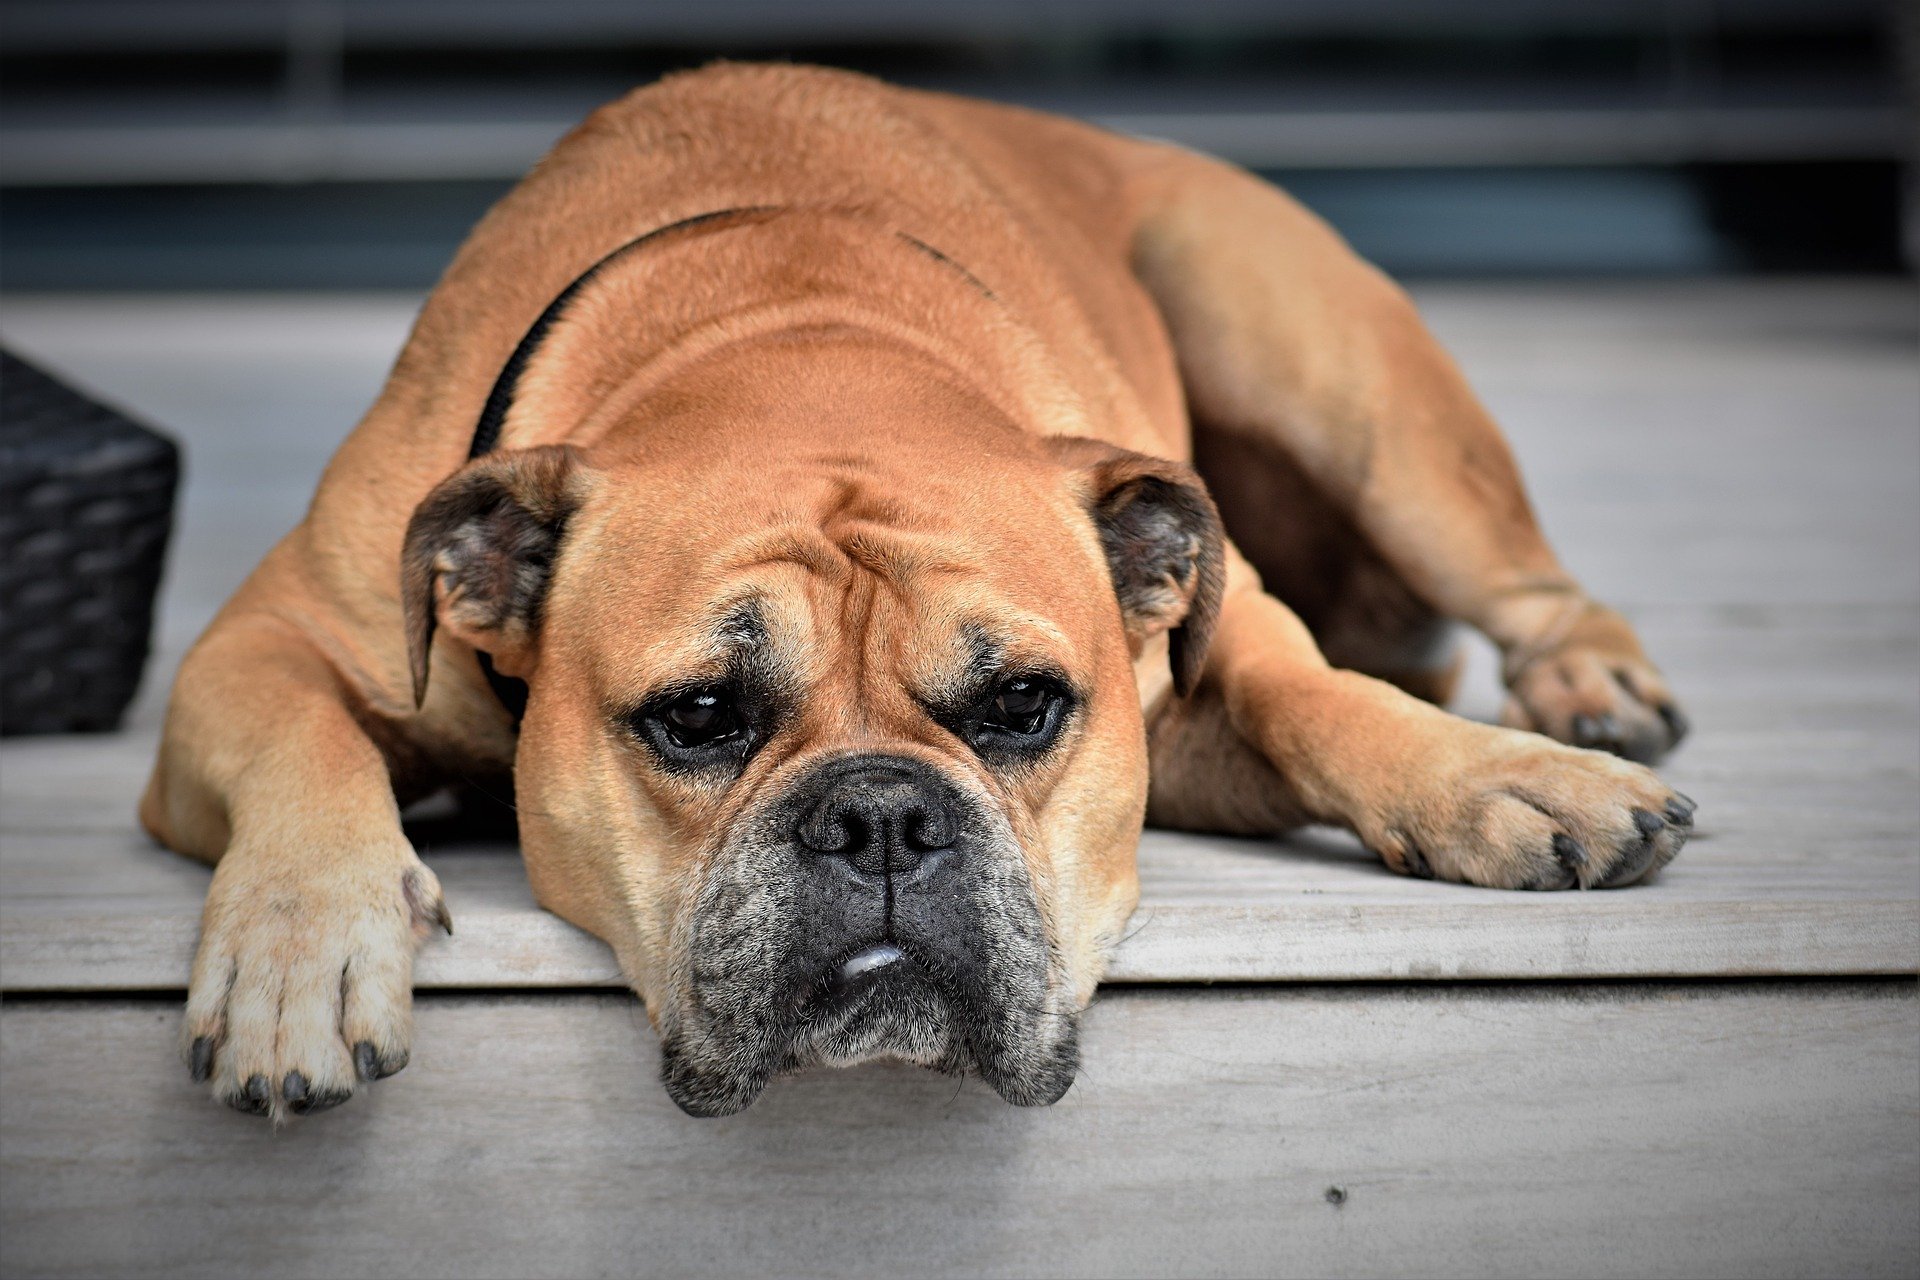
[
  {"x": 511, "y": 691},
  {"x": 486, "y": 433}
]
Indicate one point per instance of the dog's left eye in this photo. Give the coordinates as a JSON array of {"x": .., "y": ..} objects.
[
  {"x": 1023, "y": 705},
  {"x": 701, "y": 718}
]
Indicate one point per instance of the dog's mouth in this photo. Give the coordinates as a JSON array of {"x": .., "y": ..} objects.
[
  {"x": 885, "y": 1002},
  {"x": 795, "y": 961}
]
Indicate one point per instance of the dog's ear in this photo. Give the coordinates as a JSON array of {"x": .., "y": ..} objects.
[
  {"x": 1164, "y": 545},
  {"x": 479, "y": 551}
]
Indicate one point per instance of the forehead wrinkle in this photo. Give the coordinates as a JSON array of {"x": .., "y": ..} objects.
[{"x": 788, "y": 544}]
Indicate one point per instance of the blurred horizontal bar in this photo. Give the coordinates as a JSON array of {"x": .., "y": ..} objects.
[
  {"x": 262, "y": 151},
  {"x": 139, "y": 26}
]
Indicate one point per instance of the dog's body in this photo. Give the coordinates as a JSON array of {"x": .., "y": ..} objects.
[{"x": 838, "y": 527}]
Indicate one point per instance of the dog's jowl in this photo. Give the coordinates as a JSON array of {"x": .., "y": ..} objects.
[{"x": 848, "y": 514}]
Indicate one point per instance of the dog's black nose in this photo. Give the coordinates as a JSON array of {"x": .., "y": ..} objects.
[{"x": 882, "y": 820}]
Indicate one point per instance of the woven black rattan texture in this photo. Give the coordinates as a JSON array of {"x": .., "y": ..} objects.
[{"x": 86, "y": 504}]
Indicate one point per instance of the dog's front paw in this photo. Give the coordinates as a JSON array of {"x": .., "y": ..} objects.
[
  {"x": 303, "y": 984},
  {"x": 1593, "y": 687},
  {"x": 1513, "y": 811}
]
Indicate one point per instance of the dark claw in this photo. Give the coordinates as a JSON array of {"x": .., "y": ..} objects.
[
  {"x": 1569, "y": 856},
  {"x": 256, "y": 1100},
  {"x": 294, "y": 1087},
  {"x": 1677, "y": 726},
  {"x": 1680, "y": 810},
  {"x": 314, "y": 1102},
  {"x": 1641, "y": 854},
  {"x": 370, "y": 1065},
  {"x": 1417, "y": 864},
  {"x": 201, "y": 1064},
  {"x": 1600, "y": 733}
]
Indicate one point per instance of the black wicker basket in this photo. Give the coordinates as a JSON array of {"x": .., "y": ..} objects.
[{"x": 86, "y": 504}]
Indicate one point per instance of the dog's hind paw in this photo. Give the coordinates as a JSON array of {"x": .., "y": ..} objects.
[
  {"x": 1593, "y": 688},
  {"x": 303, "y": 986}
]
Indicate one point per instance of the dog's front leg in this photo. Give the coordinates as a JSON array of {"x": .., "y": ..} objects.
[
  {"x": 303, "y": 981},
  {"x": 1431, "y": 793}
]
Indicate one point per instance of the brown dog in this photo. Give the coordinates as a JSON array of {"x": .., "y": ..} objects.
[{"x": 824, "y": 569}]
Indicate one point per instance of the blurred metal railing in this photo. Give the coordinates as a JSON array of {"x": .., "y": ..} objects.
[{"x": 310, "y": 119}]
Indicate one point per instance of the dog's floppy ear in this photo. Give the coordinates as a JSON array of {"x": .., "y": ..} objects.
[
  {"x": 479, "y": 551},
  {"x": 1164, "y": 546}
]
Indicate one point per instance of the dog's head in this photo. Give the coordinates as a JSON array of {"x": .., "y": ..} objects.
[{"x": 833, "y": 731}]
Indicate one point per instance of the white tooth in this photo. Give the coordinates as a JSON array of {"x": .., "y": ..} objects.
[{"x": 872, "y": 958}]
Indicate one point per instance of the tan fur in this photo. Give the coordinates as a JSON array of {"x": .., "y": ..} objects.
[{"x": 840, "y": 405}]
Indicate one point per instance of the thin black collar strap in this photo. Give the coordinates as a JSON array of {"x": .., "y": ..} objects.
[
  {"x": 512, "y": 692},
  {"x": 486, "y": 434}
]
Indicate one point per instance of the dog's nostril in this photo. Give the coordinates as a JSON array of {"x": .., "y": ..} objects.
[
  {"x": 829, "y": 829},
  {"x": 880, "y": 822},
  {"x": 930, "y": 829}
]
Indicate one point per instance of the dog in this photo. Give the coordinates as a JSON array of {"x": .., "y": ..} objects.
[{"x": 848, "y": 513}]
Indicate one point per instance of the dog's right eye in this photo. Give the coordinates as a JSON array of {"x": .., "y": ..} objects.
[{"x": 701, "y": 718}]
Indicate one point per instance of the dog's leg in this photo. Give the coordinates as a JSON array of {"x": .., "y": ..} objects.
[
  {"x": 1284, "y": 738},
  {"x": 303, "y": 981},
  {"x": 1288, "y": 340},
  {"x": 1362, "y": 613}
]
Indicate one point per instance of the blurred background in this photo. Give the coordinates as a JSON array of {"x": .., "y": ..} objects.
[{"x": 349, "y": 144}]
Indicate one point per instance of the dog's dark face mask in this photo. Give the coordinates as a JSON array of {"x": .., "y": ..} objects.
[
  {"x": 850, "y": 767},
  {"x": 873, "y": 906}
]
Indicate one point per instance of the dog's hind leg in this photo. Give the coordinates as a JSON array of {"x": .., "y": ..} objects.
[
  {"x": 1290, "y": 344},
  {"x": 303, "y": 980},
  {"x": 1363, "y": 614}
]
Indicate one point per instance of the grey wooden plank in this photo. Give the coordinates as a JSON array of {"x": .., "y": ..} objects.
[
  {"x": 93, "y": 913},
  {"x": 1765, "y": 1130}
]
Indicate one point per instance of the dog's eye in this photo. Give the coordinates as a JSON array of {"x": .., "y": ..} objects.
[
  {"x": 701, "y": 718},
  {"x": 1022, "y": 705}
]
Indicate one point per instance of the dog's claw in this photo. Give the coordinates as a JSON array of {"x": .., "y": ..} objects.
[
  {"x": 294, "y": 1087},
  {"x": 315, "y": 1102},
  {"x": 1676, "y": 722},
  {"x": 200, "y": 1063},
  {"x": 370, "y": 1065},
  {"x": 1641, "y": 855},
  {"x": 1417, "y": 865},
  {"x": 256, "y": 1099},
  {"x": 1569, "y": 856}
]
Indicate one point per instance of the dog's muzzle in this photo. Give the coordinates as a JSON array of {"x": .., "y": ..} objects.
[{"x": 875, "y": 909}]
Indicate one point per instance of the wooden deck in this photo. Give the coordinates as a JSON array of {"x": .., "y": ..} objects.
[{"x": 1736, "y": 466}]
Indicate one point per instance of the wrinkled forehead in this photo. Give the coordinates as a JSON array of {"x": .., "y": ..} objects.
[{"x": 904, "y": 580}]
